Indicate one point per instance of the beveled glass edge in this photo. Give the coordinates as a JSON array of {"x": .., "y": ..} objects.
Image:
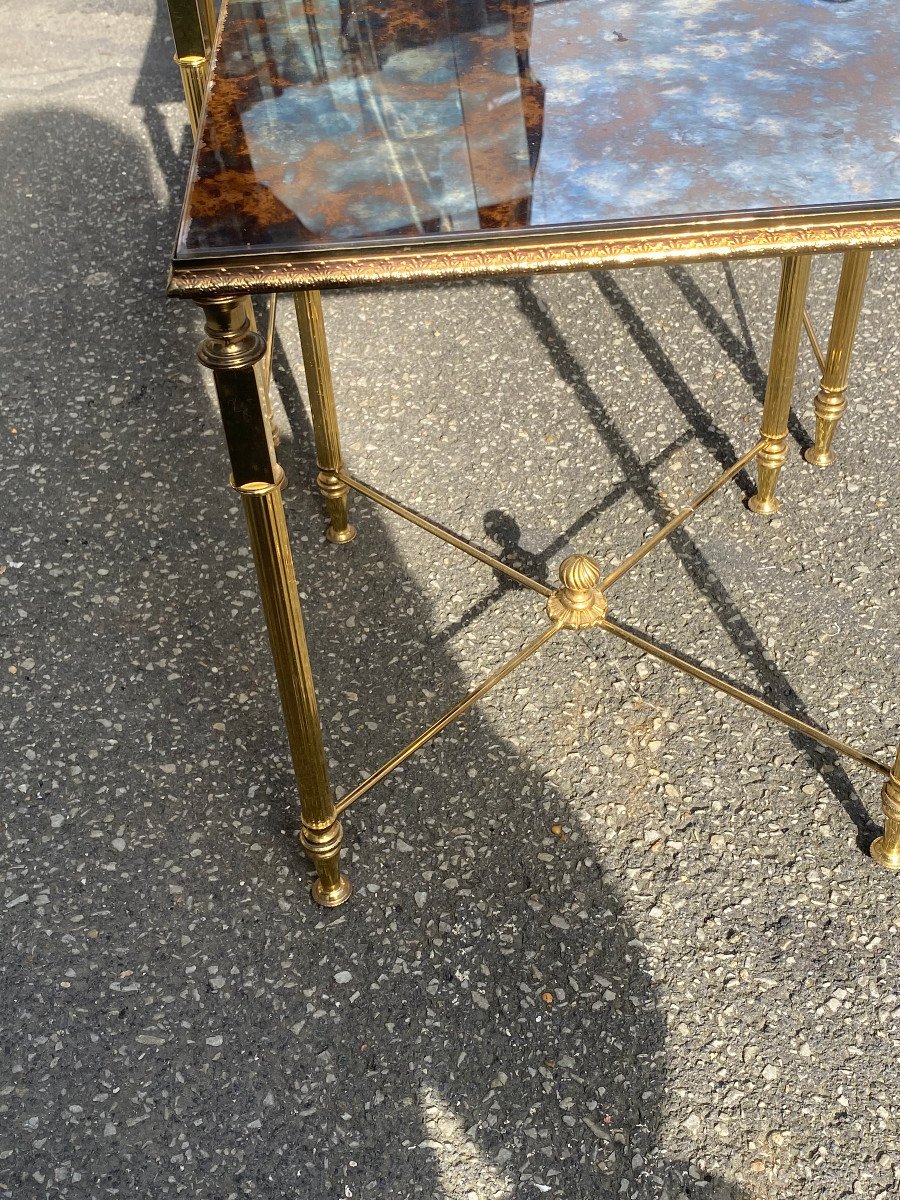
[{"x": 616, "y": 244}]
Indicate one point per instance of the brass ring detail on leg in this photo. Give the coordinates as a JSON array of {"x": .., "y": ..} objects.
[
  {"x": 323, "y": 846},
  {"x": 259, "y": 489}
]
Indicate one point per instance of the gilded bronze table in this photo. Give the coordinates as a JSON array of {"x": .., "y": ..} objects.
[{"x": 350, "y": 142}]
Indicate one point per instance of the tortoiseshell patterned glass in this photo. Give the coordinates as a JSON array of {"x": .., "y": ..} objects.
[{"x": 332, "y": 122}]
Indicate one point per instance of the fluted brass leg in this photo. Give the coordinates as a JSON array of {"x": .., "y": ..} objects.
[
  {"x": 192, "y": 47},
  {"x": 830, "y": 402},
  {"x": 194, "y": 73},
  {"x": 324, "y": 416},
  {"x": 320, "y": 833},
  {"x": 232, "y": 349},
  {"x": 782, "y": 367},
  {"x": 886, "y": 849}
]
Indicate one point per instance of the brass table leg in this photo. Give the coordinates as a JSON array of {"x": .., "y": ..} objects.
[
  {"x": 232, "y": 349},
  {"x": 782, "y": 367},
  {"x": 830, "y": 402},
  {"x": 324, "y": 416},
  {"x": 886, "y": 849},
  {"x": 192, "y": 43}
]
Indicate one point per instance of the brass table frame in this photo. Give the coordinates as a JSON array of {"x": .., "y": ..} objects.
[{"x": 240, "y": 359}]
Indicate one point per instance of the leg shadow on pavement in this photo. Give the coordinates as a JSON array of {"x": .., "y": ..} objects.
[
  {"x": 775, "y": 687},
  {"x": 180, "y": 1020},
  {"x": 158, "y": 85},
  {"x": 741, "y": 351}
]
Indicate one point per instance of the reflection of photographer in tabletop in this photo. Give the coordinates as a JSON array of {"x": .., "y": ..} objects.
[{"x": 442, "y": 106}]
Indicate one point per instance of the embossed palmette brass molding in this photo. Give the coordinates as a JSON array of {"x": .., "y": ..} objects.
[{"x": 526, "y": 253}]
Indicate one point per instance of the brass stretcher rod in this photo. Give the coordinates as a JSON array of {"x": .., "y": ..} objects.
[
  {"x": 626, "y": 565},
  {"x": 609, "y": 626},
  {"x": 449, "y": 717},
  {"x": 270, "y": 342},
  {"x": 813, "y": 340},
  {"x": 721, "y": 685},
  {"x": 689, "y": 509},
  {"x": 401, "y": 510}
]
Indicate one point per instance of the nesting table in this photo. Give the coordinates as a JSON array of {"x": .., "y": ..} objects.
[{"x": 343, "y": 143}]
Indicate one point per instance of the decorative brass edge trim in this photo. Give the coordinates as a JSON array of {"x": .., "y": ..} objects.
[{"x": 619, "y": 248}]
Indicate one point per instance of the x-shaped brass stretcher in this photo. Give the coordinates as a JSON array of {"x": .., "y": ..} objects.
[{"x": 581, "y": 602}]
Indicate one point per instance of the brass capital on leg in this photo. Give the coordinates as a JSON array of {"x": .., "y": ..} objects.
[
  {"x": 782, "y": 368},
  {"x": 886, "y": 849},
  {"x": 311, "y": 325},
  {"x": 830, "y": 402},
  {"x": 232, "y": 349}
]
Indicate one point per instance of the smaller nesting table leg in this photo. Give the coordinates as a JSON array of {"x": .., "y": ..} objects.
[
  {"x": 231, "y": 349},
  {"x": 782, "y": 368},
  {"x": 830, "y": 401},
  {"x": 324, "y": 415},
  {"x": 191, "y": 32}
]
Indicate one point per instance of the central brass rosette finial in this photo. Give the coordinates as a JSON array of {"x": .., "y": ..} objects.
[{"x": 579, "y": 603}]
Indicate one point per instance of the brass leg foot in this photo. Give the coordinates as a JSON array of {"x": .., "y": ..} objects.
[
  {"x": 335, "y": 492},
  {"x": 340, "y": 537},
  {"x": 769, "y": 463},
  {"x": 830, "y": 402},
  {"x": 323, "y": 846},
  {"x": 332, "y": 897},
  {"x": 818, "y": 458},
  {"x": 782, "y": 368},
  {"x": 827, "y": 418},
  {"x": 886, "y": 849},
  {"x": 764, "y": 508}
]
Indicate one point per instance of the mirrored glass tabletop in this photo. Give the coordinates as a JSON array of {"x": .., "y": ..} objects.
[{"x": 335, "y": 123}]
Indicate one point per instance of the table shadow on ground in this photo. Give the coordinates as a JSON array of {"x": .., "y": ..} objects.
[{"x": 275, "y": 1095}]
